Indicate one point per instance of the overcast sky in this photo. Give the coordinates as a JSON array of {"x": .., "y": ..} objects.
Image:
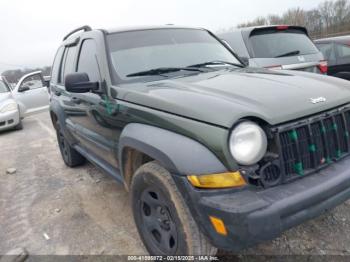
[{"x": 32, "y": 30}]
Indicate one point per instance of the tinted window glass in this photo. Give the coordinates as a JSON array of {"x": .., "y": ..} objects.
[
  {"x": 3, "y": 87},
  {"x": 271, "y": 43},
  {"x": 343, "y": 51},
  {"x": 68, "y": 65},
  {"x": 33, "y": 82},
  {"x": 88, "y": 60},
  {"x": 327, "y": 50},
  {"x": 56, "y": 65},
  {"x": 137, "y": 51}
]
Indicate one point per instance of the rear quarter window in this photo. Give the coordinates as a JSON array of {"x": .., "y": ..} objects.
[{"x": 276, "y": 43}]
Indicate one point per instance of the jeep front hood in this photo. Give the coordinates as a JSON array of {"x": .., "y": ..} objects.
[{"x": 223, "y": 97}]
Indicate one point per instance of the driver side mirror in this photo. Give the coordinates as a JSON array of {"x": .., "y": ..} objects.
[
  {"x": 79, "y": 83},
  {"x": 23, "y": 88}
]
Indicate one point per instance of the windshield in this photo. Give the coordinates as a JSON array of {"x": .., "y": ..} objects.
[
  {"x": 139, "y": 51},
  {"x": 3, "y": 87},
  {"x": 274, "y": 44}
]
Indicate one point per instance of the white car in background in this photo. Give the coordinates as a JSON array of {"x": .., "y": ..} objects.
[{"x": 29, "y": 96}]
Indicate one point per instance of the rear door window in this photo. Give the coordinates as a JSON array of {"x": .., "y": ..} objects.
[{"x": 273, "y": 43}]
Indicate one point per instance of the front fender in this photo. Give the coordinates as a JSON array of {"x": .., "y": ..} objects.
[
  {"x": 22, "y": 109},
  {"x": 177, "y": 153}
]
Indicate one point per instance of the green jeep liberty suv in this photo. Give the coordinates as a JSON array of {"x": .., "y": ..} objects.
[{"x": 215, "y": 155}]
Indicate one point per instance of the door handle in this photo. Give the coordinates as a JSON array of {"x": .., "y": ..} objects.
[{"x": 76, "y": 100}]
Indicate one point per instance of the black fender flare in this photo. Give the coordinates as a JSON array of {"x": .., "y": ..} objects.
[
  {"x": 61, "y": 117},
  {"x": 177, "y": 153},
  {"x": 58, "y": 111}
]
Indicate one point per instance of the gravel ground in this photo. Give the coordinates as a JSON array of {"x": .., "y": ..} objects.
[{"x": 48, "y": 208}]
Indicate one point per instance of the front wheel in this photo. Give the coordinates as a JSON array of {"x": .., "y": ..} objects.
[
  {"x": 19, "y": 126},
  {"x": 163, "y": 220}
]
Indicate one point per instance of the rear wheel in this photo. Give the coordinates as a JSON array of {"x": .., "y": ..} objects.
[
  {"x": 70, "y": 156},
  {"x": 164, "y": 222}
]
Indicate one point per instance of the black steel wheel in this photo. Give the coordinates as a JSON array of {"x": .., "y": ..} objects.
[
  {"x": 163, "y": 219},
  {"x": 158, "y": 222}
]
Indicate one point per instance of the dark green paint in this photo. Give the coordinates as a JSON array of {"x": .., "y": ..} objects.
[
  {"x": 298, "y": 167},
  {"x": 312, "y": 148}
]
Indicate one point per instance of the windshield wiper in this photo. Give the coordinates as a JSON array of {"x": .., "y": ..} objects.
[
  {"x": 163, "y": 70},
  {"x": 218, "y": 62},
  {"x": 296, "y": 52}
]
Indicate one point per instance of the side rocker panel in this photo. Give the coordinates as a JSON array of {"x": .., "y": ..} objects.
[{"x": 177, "y": 153}]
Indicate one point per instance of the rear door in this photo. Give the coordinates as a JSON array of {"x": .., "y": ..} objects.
[
  {"x": 283, "y": 47},
  {"x": 31, "y": 94}
]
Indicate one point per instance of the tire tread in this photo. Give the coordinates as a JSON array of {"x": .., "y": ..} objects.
[{"x": 198, "y": 244}]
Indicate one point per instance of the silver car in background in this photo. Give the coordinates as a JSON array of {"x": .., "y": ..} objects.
[
  {"x": 9, "y": 110},
  {"x": 29, "y": 96},
  {"x": 276, "y": 47}
]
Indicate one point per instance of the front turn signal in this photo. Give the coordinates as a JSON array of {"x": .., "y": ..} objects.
[
  {"x": 216, "y": 181},
  {"x": 219, "y": 225}
]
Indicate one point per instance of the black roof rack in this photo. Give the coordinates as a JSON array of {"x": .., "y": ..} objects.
[{"x": 85, "y": 28}]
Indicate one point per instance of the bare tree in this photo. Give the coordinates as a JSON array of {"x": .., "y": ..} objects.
[
  {"x": 329, "y": 18},
  {"x": 274, "y": 20},
  {"x": 256, "y": 22},
  {"x": 295, "y": 16}
]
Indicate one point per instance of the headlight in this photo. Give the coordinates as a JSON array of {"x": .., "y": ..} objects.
[
  {"x": 248, "y": 143},
  {"x": 11, "y": 106}
]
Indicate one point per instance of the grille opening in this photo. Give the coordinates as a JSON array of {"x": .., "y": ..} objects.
[
  {"x": 343, "y": 135},
  {"x": 298, "y": 149},
  {"x": 314, "y": 144}
]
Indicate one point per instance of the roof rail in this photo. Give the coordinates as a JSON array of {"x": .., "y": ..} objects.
[{"x": 85, "y": 28}]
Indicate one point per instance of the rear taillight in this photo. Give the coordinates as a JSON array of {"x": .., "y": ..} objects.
[
  {"x": 323, "y": 67},
  {"x": 282, "y": 27},
  {"x": 279, "y": 67}
]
